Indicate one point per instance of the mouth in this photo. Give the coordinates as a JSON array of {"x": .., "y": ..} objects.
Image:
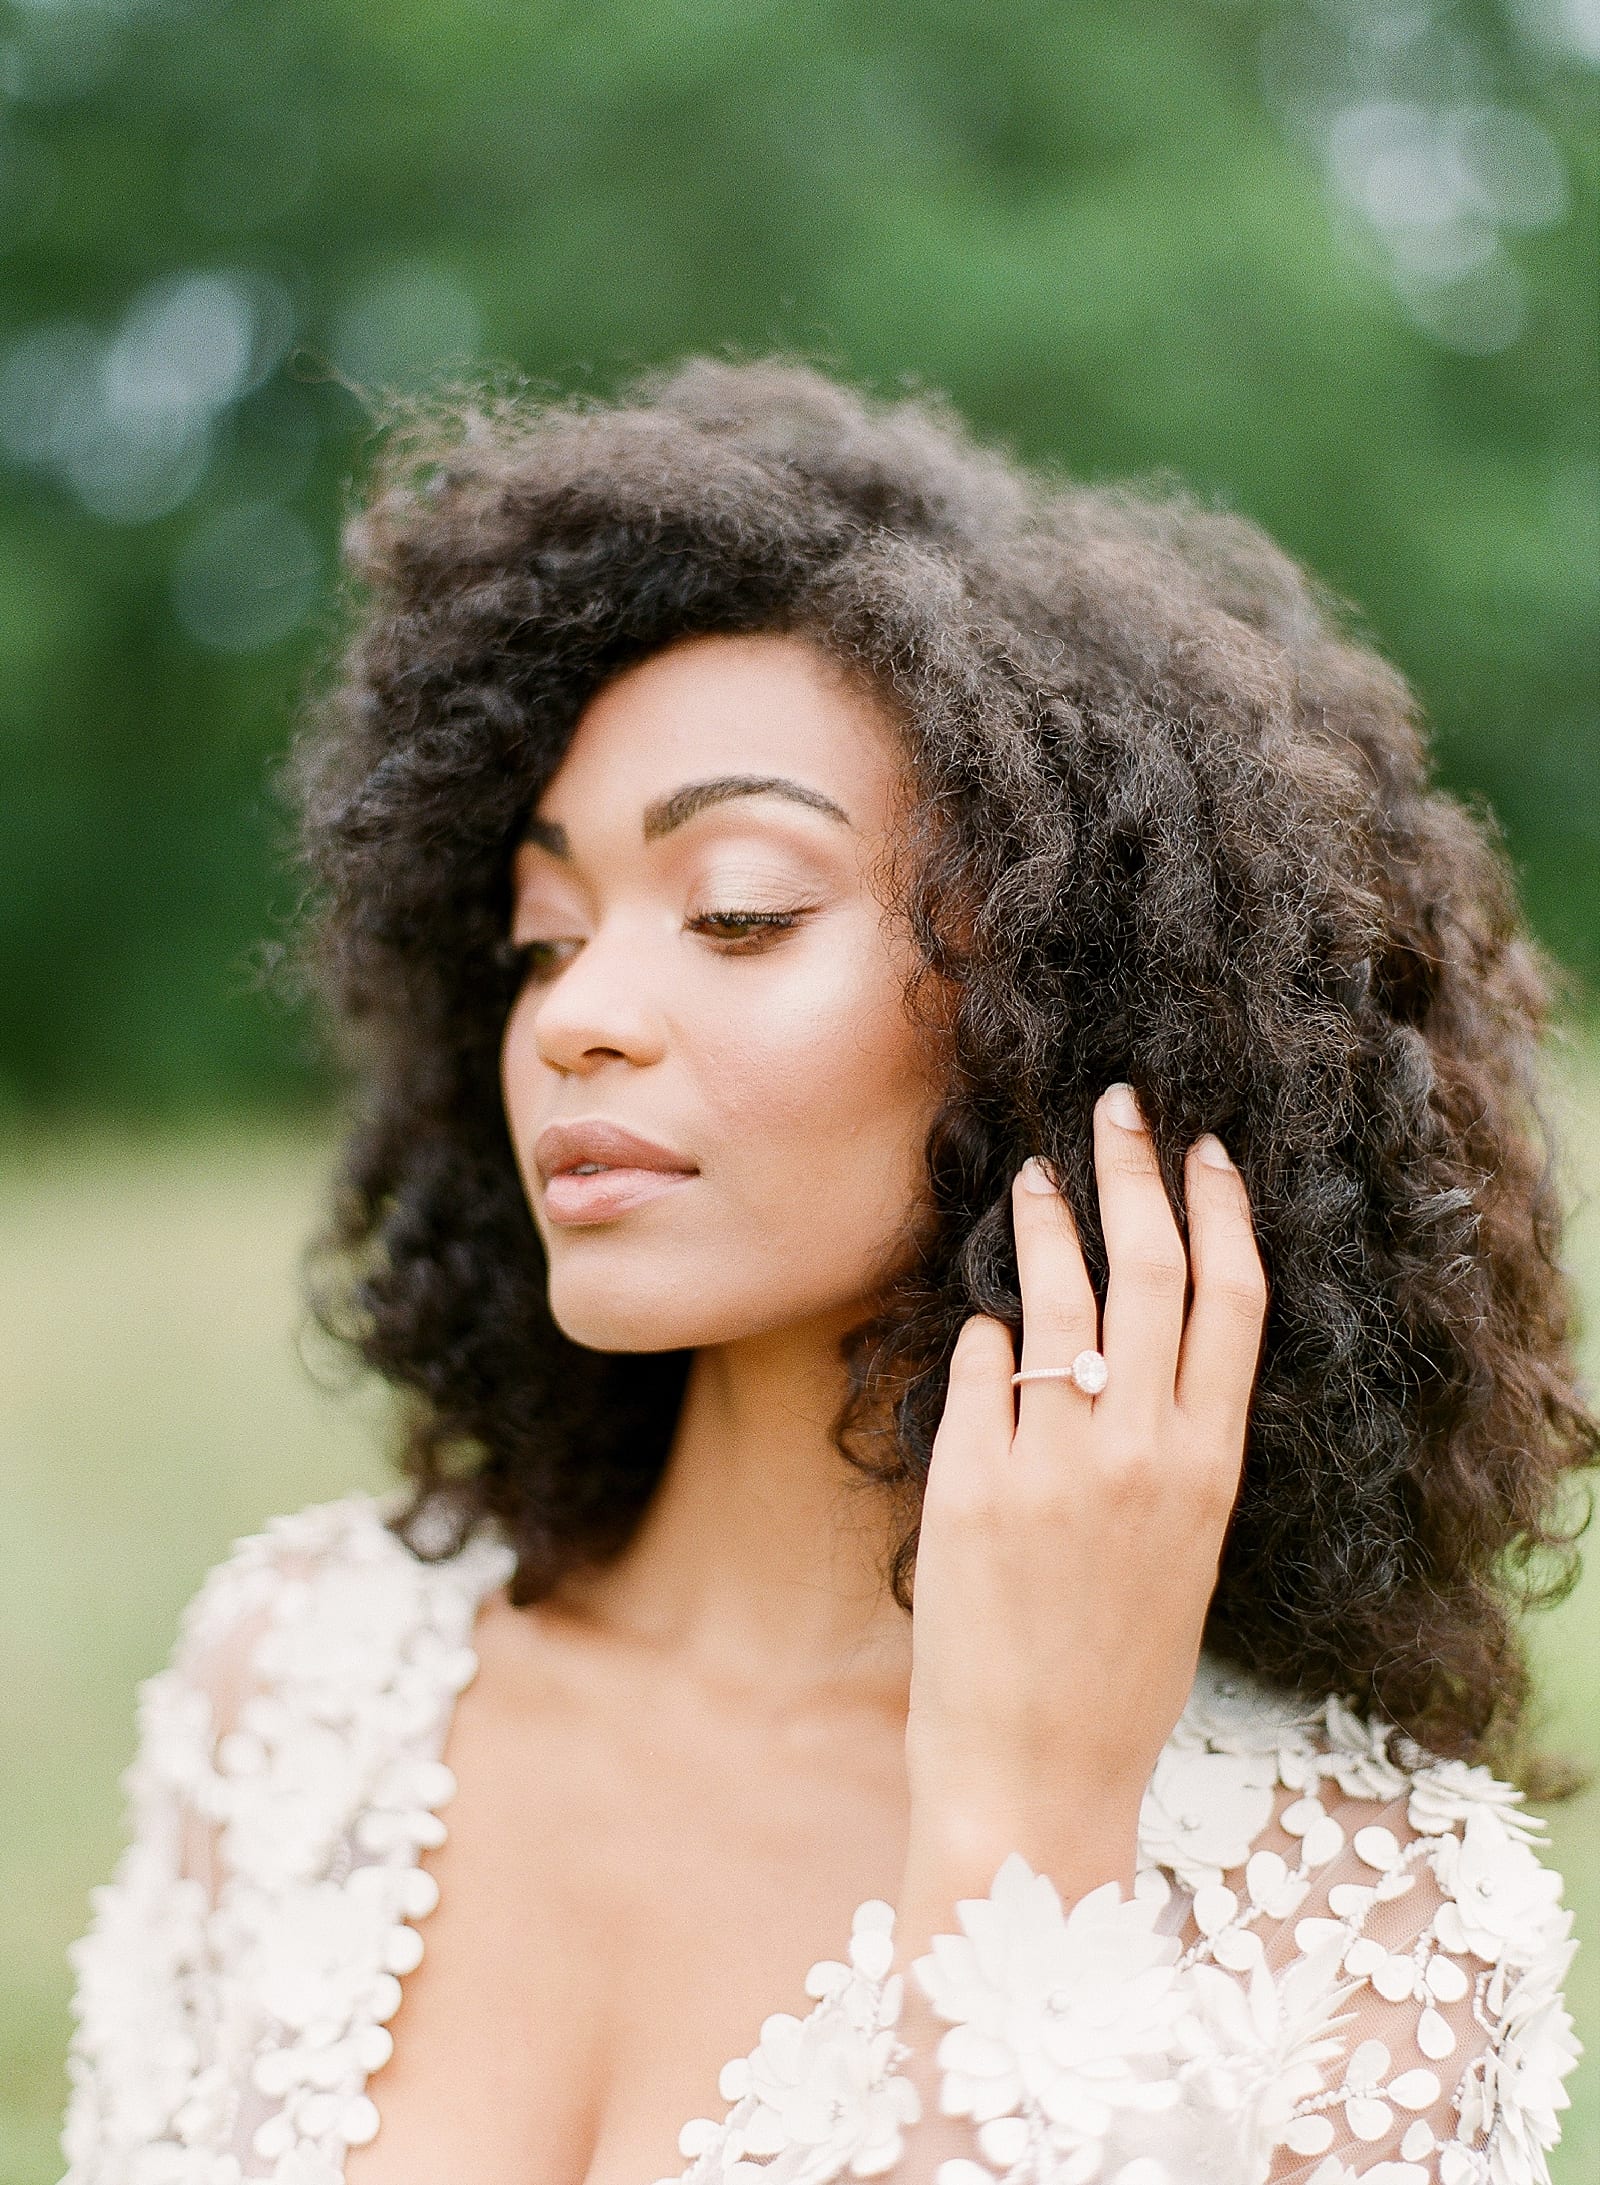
[
  {"x": 576, "y": 1197},
  {"x": 595, "y": 1170}
]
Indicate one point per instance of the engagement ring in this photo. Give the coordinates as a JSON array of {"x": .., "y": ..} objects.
[{"x": 1088, "y": 1371}]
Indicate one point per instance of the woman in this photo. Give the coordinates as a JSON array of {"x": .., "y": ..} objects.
[{"x": 915, "y": 1028}]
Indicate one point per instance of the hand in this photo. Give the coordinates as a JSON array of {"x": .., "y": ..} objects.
[{"x": 1069, "y": 1546}]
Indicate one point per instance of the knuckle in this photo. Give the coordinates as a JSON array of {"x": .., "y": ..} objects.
[
  {"x": 1154, "y": 1265},
  {"x": 982, "y": 1352},
  {"x": 970, "y": 1370},
  {"x": 1131, "y": 1158},
  {"x": 1133, "y": 1475},
  {"x": 1058, "y": 1316},
  {"x": 1216, "y": 1491},
  {"x": 1239, "y": 1288}
]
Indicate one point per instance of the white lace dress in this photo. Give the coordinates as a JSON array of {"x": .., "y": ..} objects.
[{"x": 1342, "y": 1960}]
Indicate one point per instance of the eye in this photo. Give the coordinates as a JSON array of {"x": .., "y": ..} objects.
[
  {"x": 533, "y": 960},
  {"x": 739, "y": 932},
  {"x": 741, "y": 927}
]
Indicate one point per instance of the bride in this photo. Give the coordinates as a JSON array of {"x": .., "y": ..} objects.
[{"x": 919, "y": 1035}]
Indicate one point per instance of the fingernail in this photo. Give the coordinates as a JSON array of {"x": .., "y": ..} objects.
[
  {"x": 1212, "y": 1151},
  {"x": 1122, "y": 1105},
  {"x": 1036, "y": 1177}
]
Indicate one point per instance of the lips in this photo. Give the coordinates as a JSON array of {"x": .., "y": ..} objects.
[
  {"x": 561, "y": 1147},
  {"x": 596, "y": 1170}
]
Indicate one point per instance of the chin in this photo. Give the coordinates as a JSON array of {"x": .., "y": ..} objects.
[
  {"x": 674, "y": 1309},
  {"x": 625, "y": 1315},
  {"x": 621, "y": 1331}
]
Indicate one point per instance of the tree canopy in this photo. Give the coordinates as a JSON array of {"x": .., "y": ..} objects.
[{"x": 1329, "y": 262}]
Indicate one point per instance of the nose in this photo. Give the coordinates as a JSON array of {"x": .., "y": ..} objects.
[{"x": 600, "y": 1007}]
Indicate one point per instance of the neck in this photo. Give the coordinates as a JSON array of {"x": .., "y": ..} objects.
[{"x": 760, "y": 1559}]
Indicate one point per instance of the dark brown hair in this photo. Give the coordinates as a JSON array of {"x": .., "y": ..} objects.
[{"x": 1168, "y": 822}]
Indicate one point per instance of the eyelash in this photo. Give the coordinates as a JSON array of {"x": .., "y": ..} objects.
[
  {"x": 772, "y": 920},
  {"x": 522, "y": 956}
]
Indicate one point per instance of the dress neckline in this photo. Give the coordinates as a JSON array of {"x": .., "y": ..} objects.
[{"x": 383, "y": 1647}]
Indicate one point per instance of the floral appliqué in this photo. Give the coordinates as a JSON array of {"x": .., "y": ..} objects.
[
  {"x": 230, "y": 2037},
  {"x": 1341, "y": 1954}
]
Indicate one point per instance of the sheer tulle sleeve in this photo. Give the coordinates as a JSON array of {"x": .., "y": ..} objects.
[
  {"x": 1342, "y": 1962},
  {"x": 149, "y": 2060},
  {"x": 239, "y": 1970}
]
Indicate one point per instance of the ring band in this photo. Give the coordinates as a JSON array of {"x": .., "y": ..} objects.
[{"x": 1088, "y": 1372}]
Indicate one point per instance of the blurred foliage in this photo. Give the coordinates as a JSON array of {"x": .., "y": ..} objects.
[{"x": 1329, "y": 261}]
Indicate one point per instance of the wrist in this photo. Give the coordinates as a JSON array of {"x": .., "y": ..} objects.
[{"x": 957, "y": 1853}]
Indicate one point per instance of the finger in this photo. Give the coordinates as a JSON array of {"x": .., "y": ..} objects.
[
  {"x": 975, "y": 1427},
  {"x": 1222, "y": 1342},
  {"x": 1060, "y": 1316},
  {"x": 1149, "y": 1269}
]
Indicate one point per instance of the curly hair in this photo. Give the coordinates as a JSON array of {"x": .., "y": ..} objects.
[{"x": 1168, "y": 821}]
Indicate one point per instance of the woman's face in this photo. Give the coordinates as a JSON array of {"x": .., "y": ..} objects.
[{"x": 713, "y": 971}]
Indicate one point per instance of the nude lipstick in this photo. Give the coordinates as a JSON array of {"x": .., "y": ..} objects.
[{"x": 593, "y": 1170}]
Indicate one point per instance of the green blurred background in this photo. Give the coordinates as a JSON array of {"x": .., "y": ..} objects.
[{"x": 1331, "y": 262}]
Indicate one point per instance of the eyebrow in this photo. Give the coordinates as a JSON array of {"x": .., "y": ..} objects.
[{"x": 666, "y": 813}]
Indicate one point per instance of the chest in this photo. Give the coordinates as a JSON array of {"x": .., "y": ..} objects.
[{"x": 635, "y": 1875}]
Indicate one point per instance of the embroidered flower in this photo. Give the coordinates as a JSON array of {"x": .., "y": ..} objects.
[
  {"x": 230, "y": 2039},
  {"x": 1202, "y": 1811},
  {"x": 329, "y": 1641},
  {"x": 1502, "y": 1902},
  {"x": 1232, "y": 1712},
  {"x": 1258, "y": 2048},
  {"x": 174, "y": 1757},
  {"x": 1321, "y": 1837},
  {"x": 1070, "y": 2017},
  {"x": 136, "y": 2005},
  {"x": 1514, "y": 2090},
  {"x": 331, "y": 1954},
  {"x": 1446, "y": 1792},
  {"x": 1358, "y": 1756},
  {"x": 817, "y": 2095},
  {"x": 823, "y": 2099},
  {"x": 275, "y": 1995},
  {"x": 402, "y": 1810},
  {"x": 305, "y": 2166},
  {"x": 289, "y": 1787}
]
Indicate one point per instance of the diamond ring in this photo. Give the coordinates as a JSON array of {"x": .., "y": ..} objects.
[{"x": 1088, "y": 1372}]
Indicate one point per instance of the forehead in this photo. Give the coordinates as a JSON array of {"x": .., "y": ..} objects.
[{"x": 747, "y": 704}]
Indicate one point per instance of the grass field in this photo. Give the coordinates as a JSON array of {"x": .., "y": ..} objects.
[{"x": 155, "y": 1402}]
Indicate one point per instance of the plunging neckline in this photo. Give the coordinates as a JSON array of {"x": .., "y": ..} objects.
[
  {"x": 486, "y": 1562},
  {"x": 451, "y": 1595}
]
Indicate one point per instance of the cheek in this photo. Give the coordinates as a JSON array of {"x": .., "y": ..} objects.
[
  {"x": 820, "y": 1096},
  {"x": 808, "y": 1099}
]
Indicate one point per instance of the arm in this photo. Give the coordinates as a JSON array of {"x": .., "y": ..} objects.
[
  {"x": 144, "y": 1998},
  {"x": 1063, "y": 2022},
  {"x": 1372, "y": 1994}
]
